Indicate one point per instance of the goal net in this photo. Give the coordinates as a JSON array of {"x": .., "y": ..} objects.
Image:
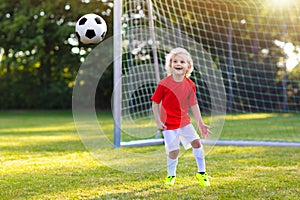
[{"x": 245, "y": 53}]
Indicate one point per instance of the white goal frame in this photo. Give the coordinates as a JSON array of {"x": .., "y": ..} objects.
[{"x": 117, "y": 94}]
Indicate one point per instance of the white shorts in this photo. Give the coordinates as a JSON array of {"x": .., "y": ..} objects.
[{"x": 185, "y": 135}]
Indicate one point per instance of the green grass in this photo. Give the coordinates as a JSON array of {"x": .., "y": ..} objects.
[
  {"x": 42, "y": 157},
  {"x": 263, "y": 126}
]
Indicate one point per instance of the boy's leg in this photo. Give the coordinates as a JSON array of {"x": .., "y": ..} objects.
[
  {"x": 190, "y": 137},
  {"x": 172, "y": 148},
  {"x": 172, "y": 161},
  {"x": 199, "y": 155},
  {"x": 200, "y": 159}
]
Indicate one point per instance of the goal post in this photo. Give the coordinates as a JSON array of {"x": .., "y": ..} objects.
[
  {"x": 245, "y": 54},
  {"x": 117, "y": 94},
  {"x": 144, "y": 45}
]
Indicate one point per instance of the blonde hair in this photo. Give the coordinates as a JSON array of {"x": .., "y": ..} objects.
[{"x": 186, "y": 55}]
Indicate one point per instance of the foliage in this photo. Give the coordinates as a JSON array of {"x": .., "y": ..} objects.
[
  {"x": 40, "y": 58},
  {"x": 39, "y": 64}
]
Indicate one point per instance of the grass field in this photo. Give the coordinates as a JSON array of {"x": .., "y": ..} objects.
[{"x": 42, "y": 157}]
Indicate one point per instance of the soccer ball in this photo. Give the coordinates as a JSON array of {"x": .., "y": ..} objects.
[{"x": 91, "y": 29}]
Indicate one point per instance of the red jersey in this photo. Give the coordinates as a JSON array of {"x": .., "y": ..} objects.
[{"x": 176, "y": 98}]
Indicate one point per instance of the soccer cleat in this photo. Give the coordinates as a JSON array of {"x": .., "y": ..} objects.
[
  {"x": 203, "y": 179},
  {"x": 170, "y": 180}
]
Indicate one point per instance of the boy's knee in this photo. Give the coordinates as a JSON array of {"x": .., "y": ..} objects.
[
  {"x": 196, "y": 144},
  {"x": 173, "y": 154}
]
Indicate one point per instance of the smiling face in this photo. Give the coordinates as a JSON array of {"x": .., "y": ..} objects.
[{"x": 179, "y": 65}]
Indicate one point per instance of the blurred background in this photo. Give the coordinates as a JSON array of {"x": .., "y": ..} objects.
[
  {"x": 255, "y": 44},
  {"x": 40, "y": 54}
]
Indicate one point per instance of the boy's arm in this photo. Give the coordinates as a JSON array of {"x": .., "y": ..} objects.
[
  {"x": 197, "y": 115},
  {"x": 155, "y": 108}
]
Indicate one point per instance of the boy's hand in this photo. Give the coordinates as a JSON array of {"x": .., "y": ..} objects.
[
  {"x": 161, "y": 126},
  {"x": 204, "y": 129}
]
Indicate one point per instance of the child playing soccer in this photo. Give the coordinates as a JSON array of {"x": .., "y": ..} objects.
[{"x": 177, "y": 93}]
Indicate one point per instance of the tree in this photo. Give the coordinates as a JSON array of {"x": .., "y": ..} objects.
[{"x": 39, "y": 63}]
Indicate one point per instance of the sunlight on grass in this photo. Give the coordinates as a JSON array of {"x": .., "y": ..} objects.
[
  {"x": 47, "y": 160},
  {"x": 64, "y": 127},
  {"x": 254, "y": 116},
  {"x": 31, "y": 141}
]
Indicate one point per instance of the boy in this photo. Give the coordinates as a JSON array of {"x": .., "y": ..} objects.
[{"x": 177, "y": 93}]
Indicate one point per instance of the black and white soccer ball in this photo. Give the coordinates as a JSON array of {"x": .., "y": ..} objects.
[{"x": 91, "y": 29}]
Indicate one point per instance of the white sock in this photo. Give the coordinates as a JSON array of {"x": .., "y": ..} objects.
[
  {"x": 172, "y": 164},
  {"x": 199, "y": 156}
]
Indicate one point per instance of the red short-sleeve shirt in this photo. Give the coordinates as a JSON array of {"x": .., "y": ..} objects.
[{"x": 176, "y": 98}]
